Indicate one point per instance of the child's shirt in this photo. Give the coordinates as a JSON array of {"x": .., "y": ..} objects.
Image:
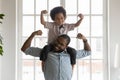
[{"x": 55, "y": 30}]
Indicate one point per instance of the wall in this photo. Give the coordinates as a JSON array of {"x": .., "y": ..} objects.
[
  {"x": 0, "y": 33},
  {"x": 8, "y": 33},
  {"x": 114, "y": 24}
]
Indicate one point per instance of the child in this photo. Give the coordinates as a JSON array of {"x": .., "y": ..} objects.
[{"x": 56, "y": 28}]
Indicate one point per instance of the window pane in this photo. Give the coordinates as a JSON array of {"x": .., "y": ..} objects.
[
  {"x": 97, "y": 48},
  {"x": 73, "y": 33},
  {"x": 40, "y": 42},
  {"x": 83, "y": 70},
  {"x": 41, "y": 5},
  {"x": 38, "y": 71},
  {"x": 71, "y": 19},
  {"x": 84, "y": 27},
  {"x": 71, "y": 6},
  {"x": 53, "y": 3},
  {"x": 28, "y": 25},
  {"x": 97, "y": 26},
  {"x": 74, "y": 75},
  {"x": 73, "y": 43},
  {"x": 28, "y": 8},
  {"x": 39, "y": 26},
  {"x": 97, "y": 70},
  {"x": 28, "y": 70},
  {"x": 84, "y": 6},
  {"x": 97, "y": 6}
]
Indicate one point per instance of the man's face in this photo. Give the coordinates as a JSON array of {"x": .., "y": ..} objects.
[{"x": 60, "y": 44}]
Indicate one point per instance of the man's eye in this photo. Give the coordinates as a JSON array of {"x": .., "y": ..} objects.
[{"x": 62, "y": 44}]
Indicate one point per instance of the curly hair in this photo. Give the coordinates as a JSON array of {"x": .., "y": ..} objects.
[{"x": 57, "y": 10}]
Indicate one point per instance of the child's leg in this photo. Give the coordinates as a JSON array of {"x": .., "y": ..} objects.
[
  {"x": 72, "y": 53},
  {"x": 44, "y": 52},
  {"x": 43, "y": 63},
  {"x": 73, "y": 66}
]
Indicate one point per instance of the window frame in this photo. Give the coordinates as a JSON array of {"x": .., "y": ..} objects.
[{"x": 62, "y": 2}]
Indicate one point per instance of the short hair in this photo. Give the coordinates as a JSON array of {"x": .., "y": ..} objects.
[
  {"x": 57, "y": 10},
  {"x": 65, "y": 36}
]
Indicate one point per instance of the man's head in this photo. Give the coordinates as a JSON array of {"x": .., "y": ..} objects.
[
  {"x": 61, "y": 43},
  {"x": 58, "y": 14}
]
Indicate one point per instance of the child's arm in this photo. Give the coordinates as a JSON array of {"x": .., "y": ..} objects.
[
  {"x": 80, "y": 20},
  {"x": 41, "y": 16},
  {"x": 42, "y": 63}
]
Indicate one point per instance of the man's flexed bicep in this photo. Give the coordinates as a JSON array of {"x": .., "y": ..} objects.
[
  {"x": 33, "y": 51},
  {"x": 27, "y": 43},
  {"x": 86, "y": 49}
]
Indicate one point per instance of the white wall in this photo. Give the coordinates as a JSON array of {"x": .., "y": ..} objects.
[
  {"x": 7, "y": 62},
  {"x": 0, "y": 33},
  {"x": 114, "y": 34},
  {"x": 8, "y": 33}
]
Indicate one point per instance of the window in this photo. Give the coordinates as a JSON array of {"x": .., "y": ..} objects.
[{"x": 93, "y": 27}]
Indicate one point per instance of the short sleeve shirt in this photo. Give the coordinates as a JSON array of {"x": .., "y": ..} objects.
[{"x": 55, "y": 30}]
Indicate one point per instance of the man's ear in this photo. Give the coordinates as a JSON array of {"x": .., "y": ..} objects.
[
  {"x": 66, "y": 46},
  {"x": 65, "y": 17}
]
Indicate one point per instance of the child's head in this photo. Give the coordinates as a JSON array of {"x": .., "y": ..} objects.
[{"x": 58, "y": 15}]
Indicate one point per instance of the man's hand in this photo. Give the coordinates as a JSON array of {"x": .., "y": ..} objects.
[
  {"x": 86, "y": 45},
  {"x": 81, "y": 36},
  {"x": 39, "y": 32},
  {"x": 44, "y": 12}
]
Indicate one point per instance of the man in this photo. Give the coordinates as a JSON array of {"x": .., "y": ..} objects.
[{"x": 57, "y": 65}]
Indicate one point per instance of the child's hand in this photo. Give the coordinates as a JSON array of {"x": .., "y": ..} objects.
[
  {"x": 81, "y": 16},
  {"x": 44, "y": 12}
]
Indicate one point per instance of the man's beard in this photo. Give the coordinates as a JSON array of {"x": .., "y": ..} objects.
[
  {"x": 59, "y": 51},
  {"x": 54, "y": 50}
]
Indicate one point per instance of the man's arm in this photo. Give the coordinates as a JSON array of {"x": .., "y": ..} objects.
[
  {"x": 80, "y": 20},
  {"x": 86, "y": 45},
  {"x": 86, "y": 51},
  {"x": 29, "y": 40},
  {"x": 42, "y": 17}
]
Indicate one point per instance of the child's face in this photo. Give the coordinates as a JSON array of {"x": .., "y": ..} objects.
[{"x": 59, "y": 18}]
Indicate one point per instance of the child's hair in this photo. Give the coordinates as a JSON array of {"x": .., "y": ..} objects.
[{"x": 57, "y": 10}]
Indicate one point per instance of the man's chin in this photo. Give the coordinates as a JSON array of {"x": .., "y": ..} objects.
[{"x": 59, "y": 51}]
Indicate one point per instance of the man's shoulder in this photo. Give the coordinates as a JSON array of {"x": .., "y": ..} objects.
[{"x": 33, "y": 51}]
